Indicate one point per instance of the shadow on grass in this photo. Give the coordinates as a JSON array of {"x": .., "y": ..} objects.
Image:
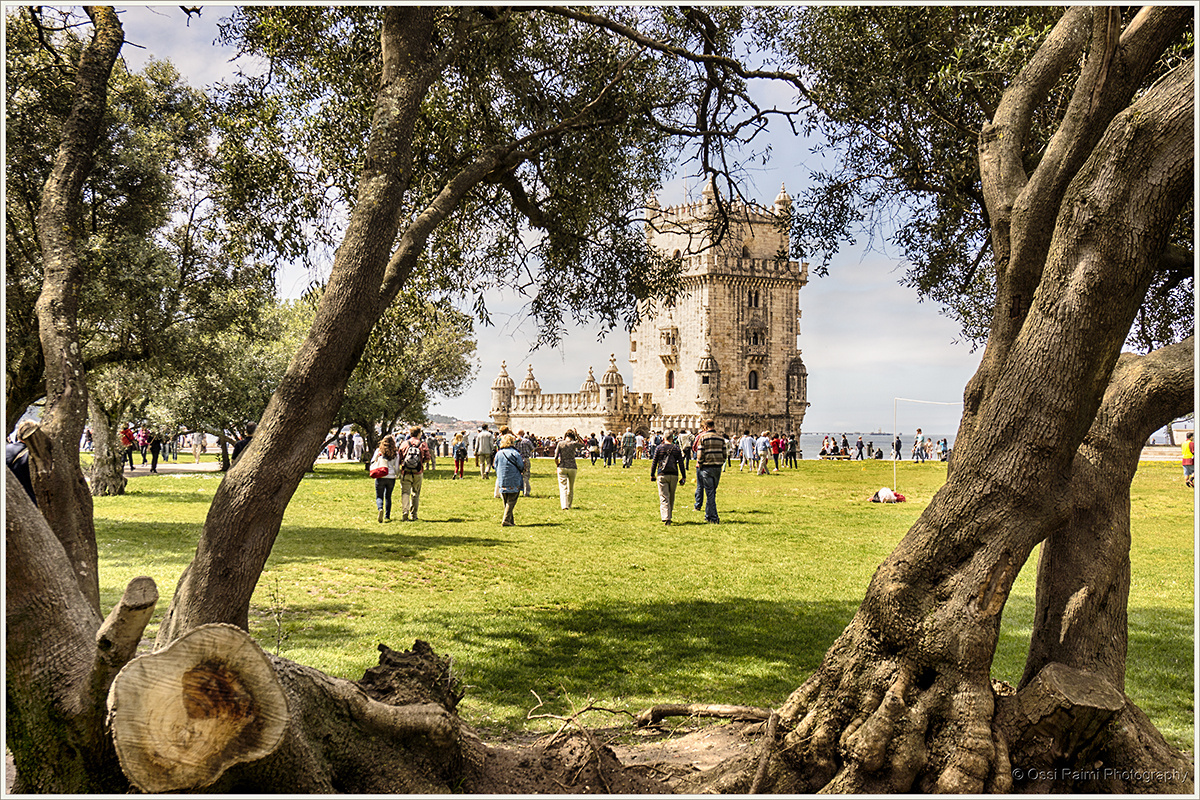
[
  {"x": 127, "y": 544},
  {"x": 115, "y": 537},
  {"x": 742, "y": 651},
  {"x": 396, "y": 540}
]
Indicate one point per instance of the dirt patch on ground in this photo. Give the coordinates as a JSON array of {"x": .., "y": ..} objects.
[
  {"x": 697, "y": 748},
  {"x": 620, "y": 760}
]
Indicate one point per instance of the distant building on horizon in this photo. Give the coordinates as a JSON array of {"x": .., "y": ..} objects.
[{"x": 724, "y": 347}]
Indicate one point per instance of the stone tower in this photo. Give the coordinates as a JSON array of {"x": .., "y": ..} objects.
[
  {"x": 503, "y": 389},
  {"x": 726, "y": 345}
]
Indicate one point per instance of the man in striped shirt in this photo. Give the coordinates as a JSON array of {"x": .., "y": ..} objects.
[{"x": 711, "y": 454}]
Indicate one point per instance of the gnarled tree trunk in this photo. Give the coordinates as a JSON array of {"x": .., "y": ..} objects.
[
  {"x": 248, "y": 508},
  {"x": 1084, "y": 573},
  {"x": 62, "y": 491},
  {"x": 107, "y": 475},
  {"x": 903, "y": 699},
  {"x": 372, "y": 264}
]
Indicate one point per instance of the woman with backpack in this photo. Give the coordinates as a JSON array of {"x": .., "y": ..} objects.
[
  {"x": 414, "y": 455},
  {"x": 384, "y": 467}
]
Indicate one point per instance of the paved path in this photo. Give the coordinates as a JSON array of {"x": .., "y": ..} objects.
[{"x": 1162, "y": 452}]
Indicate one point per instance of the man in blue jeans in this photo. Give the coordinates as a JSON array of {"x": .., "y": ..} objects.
[{"x": 711, "y": 454}]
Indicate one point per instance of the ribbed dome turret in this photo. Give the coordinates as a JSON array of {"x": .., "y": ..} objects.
[
  {"x": 530, "y": 384},
  {"x": 502, "y": 380},
  {"x": 707, "y": 363},
  {"x": 708, "y": 375},
  {"x": 783, "y": 201},
  {"x": 590, "y": 384},
  {"x": 612, "y": 377}
]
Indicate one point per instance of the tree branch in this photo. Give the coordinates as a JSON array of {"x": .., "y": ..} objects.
[{"x": 705, "y": 59}]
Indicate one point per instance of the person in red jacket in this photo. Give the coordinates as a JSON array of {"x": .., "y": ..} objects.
[{"x": 128, "y": 443}]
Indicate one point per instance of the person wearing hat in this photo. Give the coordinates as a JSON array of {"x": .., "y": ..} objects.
[{"x": 16, "y": 456}]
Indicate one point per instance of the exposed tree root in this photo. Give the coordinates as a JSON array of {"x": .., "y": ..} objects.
[
  {"x": 764, "y": 759},
  {"x": 655, "y": 714}
]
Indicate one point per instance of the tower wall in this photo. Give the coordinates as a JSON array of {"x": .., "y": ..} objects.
[{"x": 741, "y": 298}]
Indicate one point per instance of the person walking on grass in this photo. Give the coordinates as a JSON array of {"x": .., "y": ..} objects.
[
  {"x": 629, "y": 447},
  {"x": 608, "y": 448},
  {"x": 485, "y": 445},
  {"x": 685, "y": 445},
  {"x": 712, "y": 451},
  {"x": 460, "y": 455},
  {"x": 777, "y": 446},
  {"x": 510, "y": 476},
  {"x": 669, "y": 469},
  {"x": 746, "y": 451},
  {"x": 526, "y": 448},
  {"x": 386, "y": 457},
  {"x": 413, "y": 456},
  {"x": 762, "y": 450},
  {"x": 564, "y": 463},
  {"x": 1189, "y": 462}
]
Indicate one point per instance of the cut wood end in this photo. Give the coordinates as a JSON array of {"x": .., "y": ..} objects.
[
  {"x": 141, "y": 592},
  {"x": 182, "y": 716}
]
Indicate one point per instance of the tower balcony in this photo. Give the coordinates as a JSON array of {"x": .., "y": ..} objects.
[{"x": 668, "y": 347}]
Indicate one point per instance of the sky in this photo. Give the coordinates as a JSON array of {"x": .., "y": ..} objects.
[{"x": 865, "y": 339}]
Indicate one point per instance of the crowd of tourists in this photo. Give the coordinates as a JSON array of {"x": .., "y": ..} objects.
[{"x": 509, "y": 455}]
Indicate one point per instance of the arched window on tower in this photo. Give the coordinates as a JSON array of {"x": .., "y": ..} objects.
[
  {"x": 745, "y": 251},
  {"x": 670, "y": 379},
  {"x": 752, "y": 298},
  {"x": 752, "y": 383}
]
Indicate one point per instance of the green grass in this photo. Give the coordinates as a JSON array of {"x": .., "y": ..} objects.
[{"x": 605, "y": 602}]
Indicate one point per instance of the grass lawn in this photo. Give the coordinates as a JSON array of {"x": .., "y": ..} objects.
[{"x": 603, "y": 602}]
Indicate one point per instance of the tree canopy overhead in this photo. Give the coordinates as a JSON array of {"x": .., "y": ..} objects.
[
  {"x": 559, "y": 111},
  {"x": 158, "y": 279},
  {"x": 900, "y": 95}
]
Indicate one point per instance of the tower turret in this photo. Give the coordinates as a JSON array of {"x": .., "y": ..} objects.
[
  {"x": 612, "y": 386},
  {"x": 502, "y": 396},
  {"x": 589, "y": 386},
  {"x": 529, "y": 386},
  {"x": 708, "y": 383},
  {"x": 783, "y": 202}
]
